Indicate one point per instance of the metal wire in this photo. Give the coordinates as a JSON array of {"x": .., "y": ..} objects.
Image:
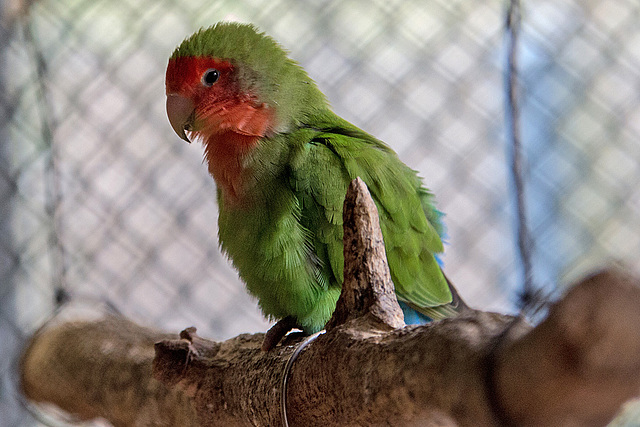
[
  {"x": 287, "y": 370},
  {"x": 52, "y": 190},
  {"x": 528, "y": 296}
]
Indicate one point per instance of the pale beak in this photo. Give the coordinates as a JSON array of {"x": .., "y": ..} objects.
[{"x": 181, "y": 113}]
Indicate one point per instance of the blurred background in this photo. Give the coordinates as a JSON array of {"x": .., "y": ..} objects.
[{"x": 101, "y": 202}]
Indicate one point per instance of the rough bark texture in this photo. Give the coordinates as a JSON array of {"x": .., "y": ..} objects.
[
  {"x": 367, "y": 287},
  {"x": 481, "y": 369}
]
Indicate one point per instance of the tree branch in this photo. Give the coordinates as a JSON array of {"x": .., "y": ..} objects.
[
  {"x": 102, "y": 368},
  {"x": 481, "y": 369},
  {"x": 367, "y": 288},
  {"x": 581, "y": 362}
]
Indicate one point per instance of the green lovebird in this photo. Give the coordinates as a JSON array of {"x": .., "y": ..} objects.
[{"x": 282, "y": 162}]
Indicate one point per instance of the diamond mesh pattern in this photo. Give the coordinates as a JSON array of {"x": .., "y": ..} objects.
[{"x": 97, "y": 193}]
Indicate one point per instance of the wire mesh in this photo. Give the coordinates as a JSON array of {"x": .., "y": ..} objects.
[{"x": 101, "y": 199}]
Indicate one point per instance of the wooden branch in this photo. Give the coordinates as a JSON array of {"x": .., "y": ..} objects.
[
  {"x": 102, "y": 368},
  {"x": 481, "y": 369},
  {"x": 367, "y": 288},
  {"x": 579, "y": 364}
]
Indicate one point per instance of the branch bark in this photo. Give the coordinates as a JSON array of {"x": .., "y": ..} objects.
[
  {"x": 102, "y": 368},
  {"x": 481, "y": 369}
]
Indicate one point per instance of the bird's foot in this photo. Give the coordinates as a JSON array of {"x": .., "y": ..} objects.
[{"x": 275, "y": 334}]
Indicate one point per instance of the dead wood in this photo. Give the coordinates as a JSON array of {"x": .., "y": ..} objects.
[{"x": 480, "y": 369}]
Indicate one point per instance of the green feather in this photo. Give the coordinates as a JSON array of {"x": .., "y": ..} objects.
[
  {"x": 286, "y": 238},
  {"x": 263, "y": 68}
]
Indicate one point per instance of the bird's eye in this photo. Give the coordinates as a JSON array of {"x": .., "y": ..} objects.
[{"x": 210, "y": 77}]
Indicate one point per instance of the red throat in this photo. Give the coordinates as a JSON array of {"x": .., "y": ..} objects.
[
  {"x": 229, "y": 122},
  {"x": 225, "y": 154},
  {"x": 230, "y": 133}
]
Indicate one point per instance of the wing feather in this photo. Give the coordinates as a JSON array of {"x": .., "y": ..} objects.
[{"x": 331, "y": 154}]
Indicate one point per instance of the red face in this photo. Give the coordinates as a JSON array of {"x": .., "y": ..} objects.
[
  {"x": 200, "y": 78},
  {"x": 203, "y": 97},
  {"x": 205, "y": 101}
]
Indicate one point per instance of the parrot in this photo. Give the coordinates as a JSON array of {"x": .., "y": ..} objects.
[{"x": 282, "y": 161}]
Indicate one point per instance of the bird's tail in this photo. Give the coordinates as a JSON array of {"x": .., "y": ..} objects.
[
  {"x": 457, "y": 302},
  {"x": 419, "y": 315}
]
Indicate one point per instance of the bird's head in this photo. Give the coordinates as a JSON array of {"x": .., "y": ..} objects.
[{"x": 230, "y": 78}]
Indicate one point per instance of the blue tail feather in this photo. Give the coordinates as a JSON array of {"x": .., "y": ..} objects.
[{"x": 412, "y": 317}]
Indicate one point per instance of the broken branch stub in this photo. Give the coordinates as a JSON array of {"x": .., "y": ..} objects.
[{"x": 367, "y": 288}]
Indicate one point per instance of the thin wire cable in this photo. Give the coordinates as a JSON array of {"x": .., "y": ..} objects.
[
  {"x": 52, "y": 173},
  {"x": 287, "y": 370},
  {"x": 528, "y": 299}
]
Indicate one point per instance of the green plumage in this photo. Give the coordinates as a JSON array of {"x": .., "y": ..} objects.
[{"x": 286, "y": 238}]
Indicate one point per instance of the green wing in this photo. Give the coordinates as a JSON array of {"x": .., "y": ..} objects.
[{"x": 329, "y": 152}]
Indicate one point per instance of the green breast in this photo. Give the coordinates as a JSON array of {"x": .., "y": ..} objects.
[{"x": 274, "y": 254}]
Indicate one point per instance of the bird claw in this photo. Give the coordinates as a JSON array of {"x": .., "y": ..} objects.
[{"x": 275, "y": 334}]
